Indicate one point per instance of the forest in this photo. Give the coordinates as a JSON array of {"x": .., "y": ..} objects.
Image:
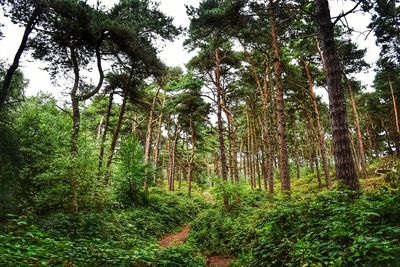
[{"x": 268, "y": 148}]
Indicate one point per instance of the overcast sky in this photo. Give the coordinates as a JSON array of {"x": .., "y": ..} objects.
[{"x": 173, "y": 54}]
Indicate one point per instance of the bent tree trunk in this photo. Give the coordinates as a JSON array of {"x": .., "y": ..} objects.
[
  {"x": 14, "y": 66},
  {"x": 344, "y": 164}
]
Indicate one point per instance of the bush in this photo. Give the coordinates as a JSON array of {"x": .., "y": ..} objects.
[
  {"x": 335, "y": 229},
  {"x": 216, "y": 231},
  {"x": 178, "y": 256},
  {"x": 392, "y": 179},
  {"x": 112, "y": 238}
]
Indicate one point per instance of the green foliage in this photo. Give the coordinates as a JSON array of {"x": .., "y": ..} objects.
[
  {"x": 113, "y": 238},
  {"x": 133, "y": 173},
  {"x": 393, "y": 179},
  {"x": 335, "y": 229},
  {"x": 229, "y": 232},
  {"x": 238, "y": 195},
  {"x": 179, "y": 256},
  {"x": 219, "y": 232}
]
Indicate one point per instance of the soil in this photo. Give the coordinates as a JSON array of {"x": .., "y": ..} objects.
[
  {"x": 175, "y": 238},
  {"x": 179, "y": 238},
  {"x": 218, "y": 261}
]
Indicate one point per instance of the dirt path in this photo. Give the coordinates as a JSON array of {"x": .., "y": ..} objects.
[
  {"x": 175, "y": 238},
  {"x": 217, "y": 261},
  {"x": 179, "y": 238}
]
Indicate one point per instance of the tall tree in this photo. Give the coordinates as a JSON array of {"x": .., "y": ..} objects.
[
  {"x": 344, "y": 164},
  {"x": 283, "y": 153}
]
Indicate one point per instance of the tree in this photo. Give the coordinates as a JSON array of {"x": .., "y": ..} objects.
[
  {"x": 344, "y": 164},
  {"x": 193, "y": 112}
]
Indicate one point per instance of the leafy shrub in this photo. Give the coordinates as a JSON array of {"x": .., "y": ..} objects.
[
  {"x": 178, "y": 256},
  {"x": 392, "y": 179},
  {"x": 133, "y": 173},
  {"x": 217, "y": 231},
  {"x": 113, "y": 238},
  {"x": 238, "y": 196},
  {"x": 162, "y": 214},
  {"x": 335, "y": 229}
]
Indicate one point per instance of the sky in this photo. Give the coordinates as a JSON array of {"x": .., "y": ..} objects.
[{"x": 173, "y": 54}]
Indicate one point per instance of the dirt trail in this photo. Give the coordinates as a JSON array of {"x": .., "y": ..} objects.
[
  {"x": 179, "y": 238},
  {"x": 218, "y": 261},
  {"x": 175, "y": 238}
]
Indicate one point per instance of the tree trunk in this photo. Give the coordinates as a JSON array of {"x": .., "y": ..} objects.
[
  {"x": 75, "y": 98},
  {"x": 14, "y": 66},
  {"x": 263, "y": 90},
  {"x": 320, "y": 130},
  {"x": 100, "y": 204},
  {"x": 104, "y": 135},
  {"x": 171, "y": 176},
  {"x": 74, "y": 153},
  {"x": 115, "y": 138},
  {"x": 361, "y": 151},
  {"x": 158, "y": 142},
  {"x": 344, "y": 164},
  {"x": 394, "y": 106},
  {"x": 224, "y": 166},
  {"x": 250, "y": 151},
  {"x": 75, "y": 133},
  {"x": 220, "y": 95},
  {"x": 233, "y": 141},
  {"x": 317, "y": 169},
  {"x": 191, "y": 156},
  {"x": 283, "y": 152}
]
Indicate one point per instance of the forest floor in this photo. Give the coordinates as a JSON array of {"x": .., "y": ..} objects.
[{"x": 178, "y": 238}]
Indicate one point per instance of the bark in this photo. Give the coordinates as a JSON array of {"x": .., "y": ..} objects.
[
  {"x": 263, "y": 90},
  {"x": 344, "y": 164},
  {"x": 158, "y": 142},
  {"x": 75, "y": 98},
  {"x": 75, "y": 133},
  {"x": 220, "y": 96},
  {"x": 104, "y": 134},
  {"x": 192, "y": 130},
  {"x": 361, "y": 151},
  {"x": 394, "y": 106},
  {"x": 317, "y": 169},
  {"x": 270, "y": 139},
  {"x": 168, "y": 146},
  {"x": 171, "y": 176},
  {"x": 233, "y": 143},
  {"x": 114, "y": 139},
  {"x": 320, "y": 130},
  {"x": 283, "y": 152},
  {"x": 15, "y": 64},
  {"x": 149, "y": 132},
  {"x": 250, "y": 152},
  {"x": 224, "y": 166},
  {"x": 100, "y": 204}
]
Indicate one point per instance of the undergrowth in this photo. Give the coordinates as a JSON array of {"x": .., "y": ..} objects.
[{"x": 118, "y": 237}]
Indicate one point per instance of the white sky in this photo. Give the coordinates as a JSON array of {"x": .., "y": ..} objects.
[{"x": 173, "y": 54}]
